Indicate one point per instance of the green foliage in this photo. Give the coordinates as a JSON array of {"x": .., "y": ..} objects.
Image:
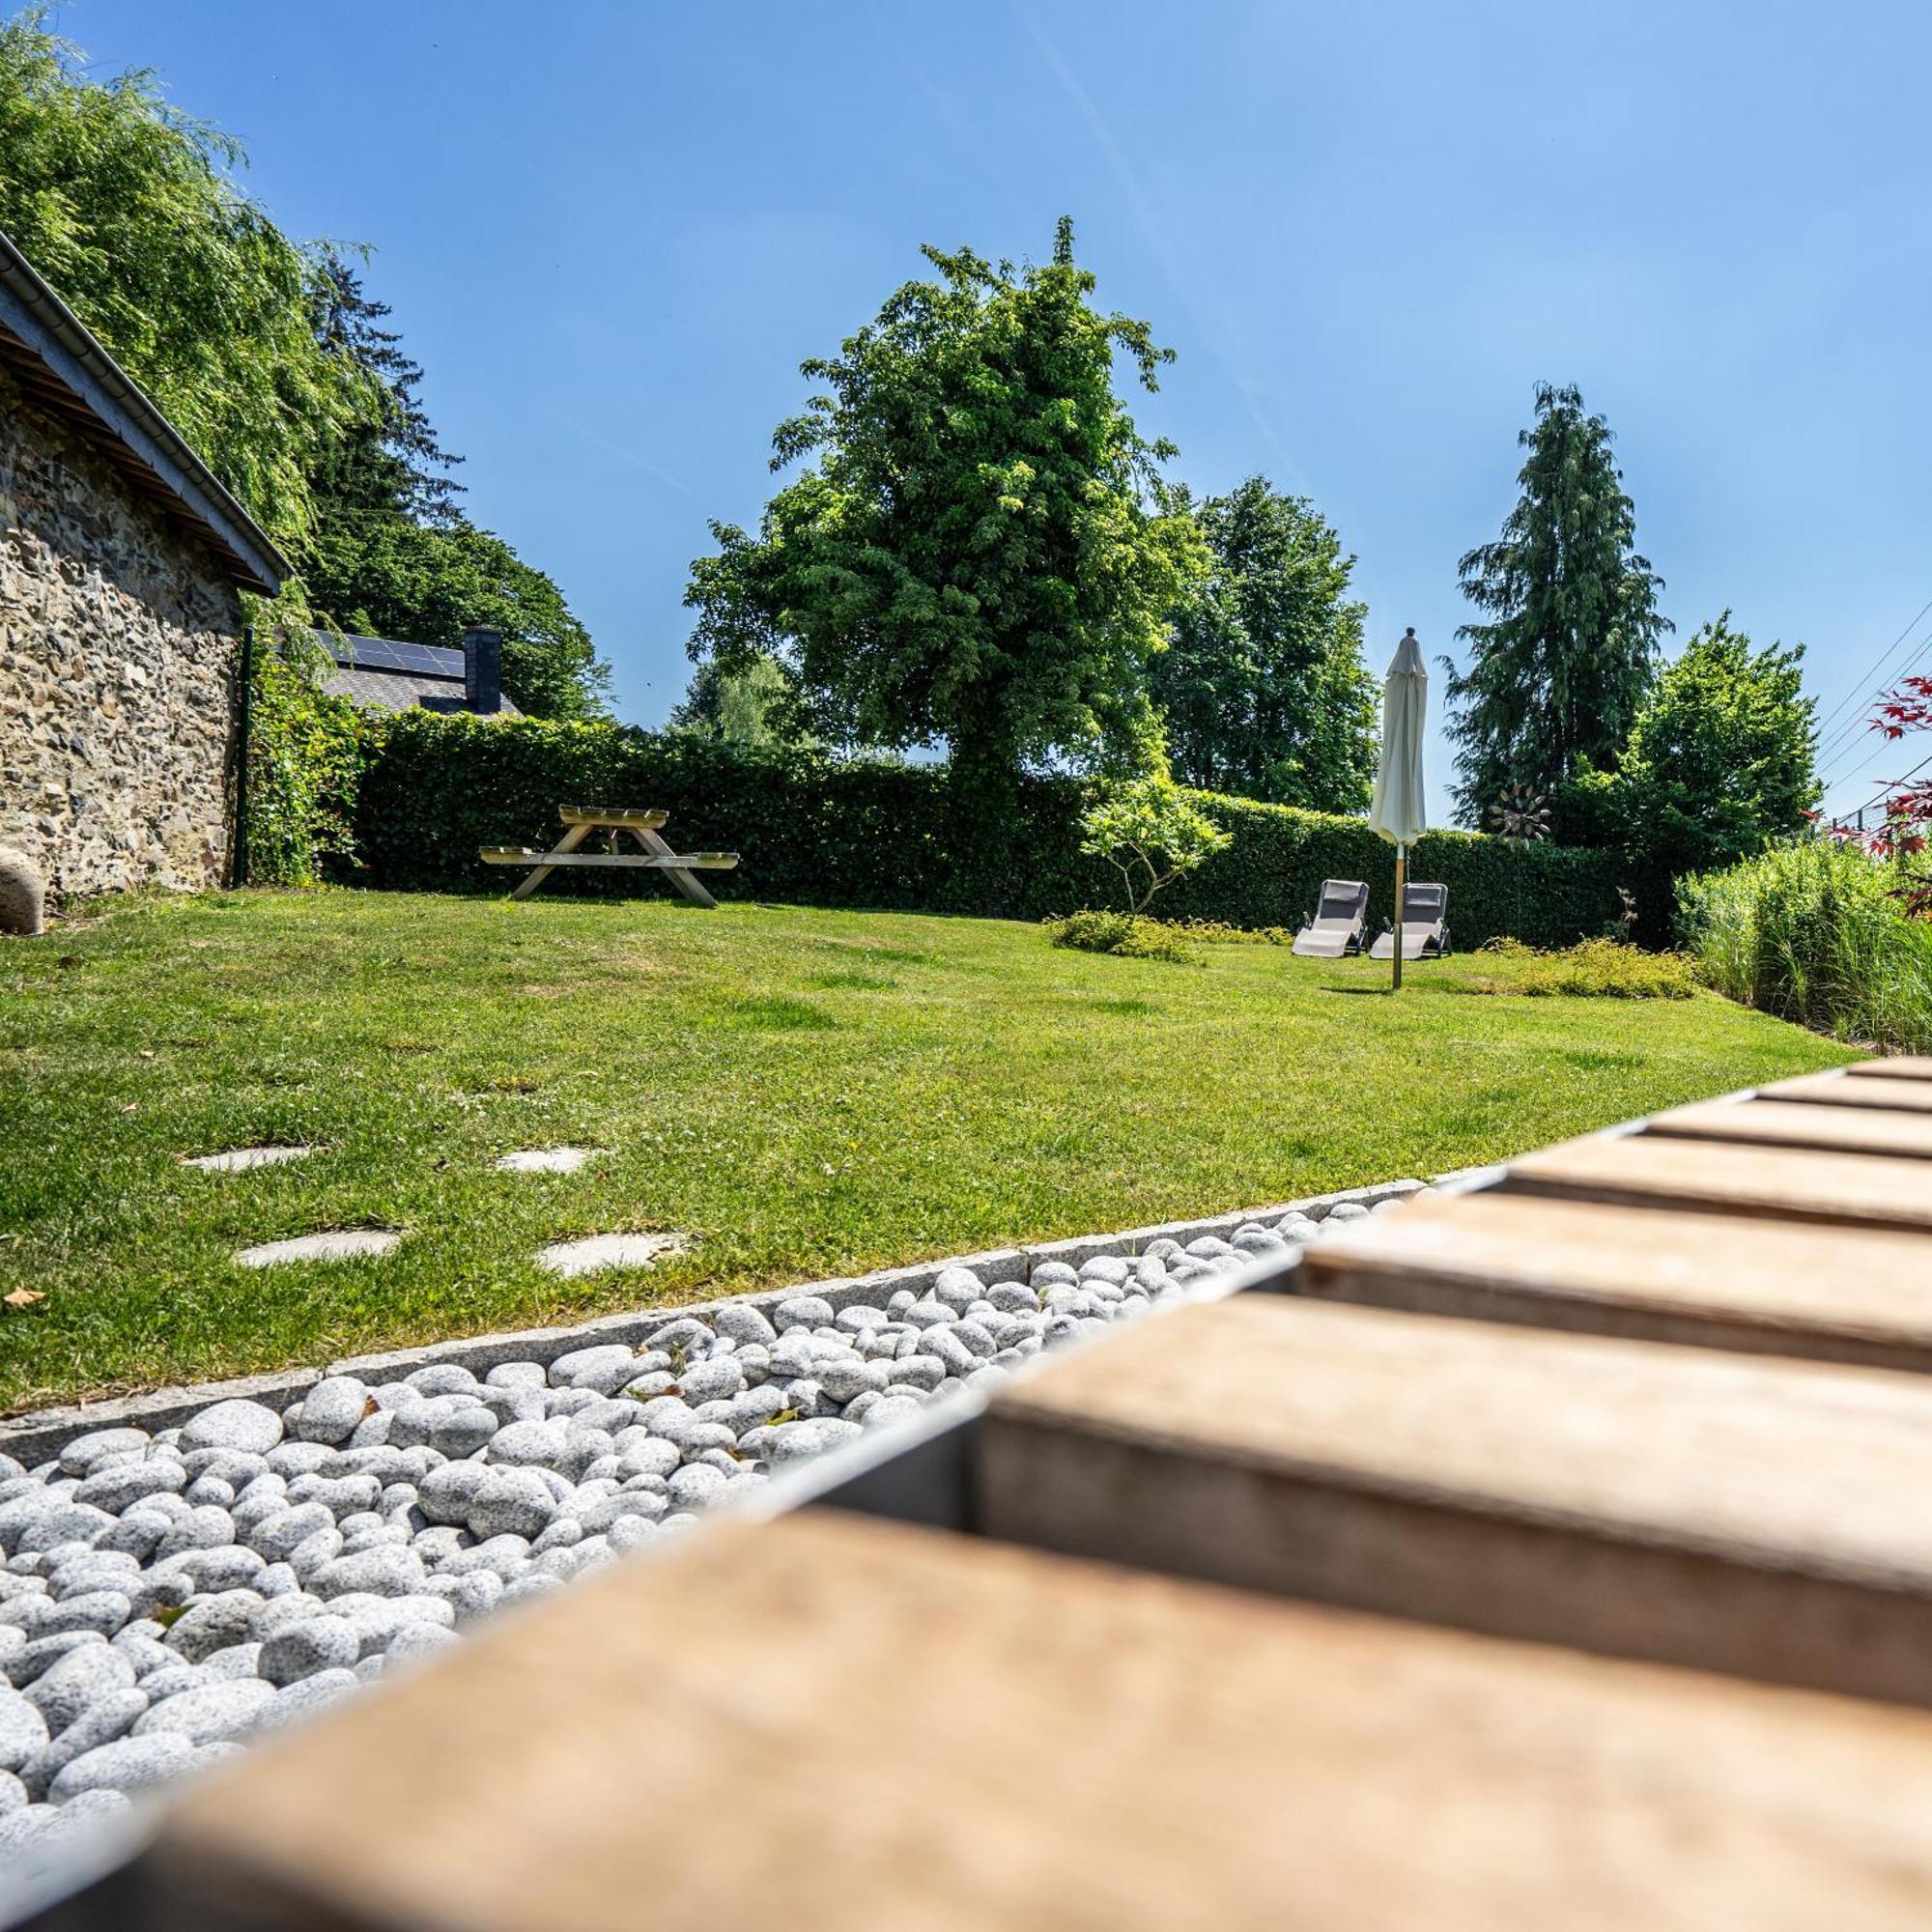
[
  {"x": 1718, "y": 764},
  {"x": 1815, "y": 934},
  {"x": 1218, "y": 932},
  {"x": 758, "y": 706},
  {"x": 1150, "y": 833},
  {"x": 306, "y": 754},
  {"x": 983, "y": 552},
  {"x": 1127, "y": 935},
  {"x": 1263, "y": 688},
  {"x": 388, "y": 578},
  {"x": 1556, "y": 676},
  {"x": 268, "y": 357},
  {"x": 816, "y": 830},
  {"x": 1593, "y": 968},
  {"x": 126, "y": 206}
]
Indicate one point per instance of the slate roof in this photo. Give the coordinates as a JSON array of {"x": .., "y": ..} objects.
[
  {"x": 64, "y": 370},
  {"x": 384, "y": 674}
]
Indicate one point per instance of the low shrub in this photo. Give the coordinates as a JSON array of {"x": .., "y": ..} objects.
[
  {"x": 1596, "y": 969},
  {"x": 1127, "y": 935},
  {"x": 1218, "y": 932},
  {"x": 1815, "y": 934}
]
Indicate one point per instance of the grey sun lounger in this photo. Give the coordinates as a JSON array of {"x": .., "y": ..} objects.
[
  {"x": 1425, "y": 925},
  {"x": 1337, "y": 926}
]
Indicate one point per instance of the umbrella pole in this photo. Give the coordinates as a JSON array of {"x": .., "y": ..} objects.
[{"x": 1400, "y": 893}]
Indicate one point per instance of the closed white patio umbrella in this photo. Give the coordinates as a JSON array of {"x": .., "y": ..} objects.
[{"x": 1397, "y": 810}]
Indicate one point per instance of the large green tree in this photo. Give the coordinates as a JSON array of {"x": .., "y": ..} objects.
[
  {"x": 1719, "y": 762},
  {"x": 1560, "y": 667},
  {"x": 1263, "y": 686},
  {"x": 982, "y": 550}
]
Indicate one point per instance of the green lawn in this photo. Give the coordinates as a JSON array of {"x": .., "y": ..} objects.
[{"x": 806, "y": 1093}]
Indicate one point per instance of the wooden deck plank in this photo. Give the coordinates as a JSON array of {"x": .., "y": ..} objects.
[
  {"x": 1854, "y": 1190},
  {"x": 1839, "y": 1294},
  {"x": 1793, "y": 1124},
  {"x": 1838, "y": 1089},
  {"x": 1903, "y": 1066},
  {"x": 1768, "y": 1518},
  {"x": 840, "y": 1725}
]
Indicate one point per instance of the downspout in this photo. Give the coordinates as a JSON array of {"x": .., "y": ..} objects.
[{"x": 238, "y": 867}]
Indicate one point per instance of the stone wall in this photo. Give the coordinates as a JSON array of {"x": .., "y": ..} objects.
[{"x": 119, "y": 649}]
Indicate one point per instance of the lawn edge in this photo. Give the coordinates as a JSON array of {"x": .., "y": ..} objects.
[{"x": 41, "y": 1433}]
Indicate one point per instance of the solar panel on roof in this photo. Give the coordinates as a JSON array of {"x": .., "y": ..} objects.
[{"x": 390, "y": 654}]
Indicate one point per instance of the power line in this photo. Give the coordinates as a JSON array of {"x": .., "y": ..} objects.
[
  {"x": 1847, "y": 737},
  {"x": 1852, "y": 695},
  {"x": 1891, "y": 788}
]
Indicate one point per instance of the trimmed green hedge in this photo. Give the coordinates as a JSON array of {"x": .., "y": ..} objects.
[{"x": 817, "y": 830}]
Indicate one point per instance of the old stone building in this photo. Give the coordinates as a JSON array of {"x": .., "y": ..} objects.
[{"x": 122, "y": 560}]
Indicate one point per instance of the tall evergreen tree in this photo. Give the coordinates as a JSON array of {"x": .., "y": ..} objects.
[
  {"x": 1262, "y": 684},
  {"x": 1557, "y": 673},
  {"x": 387, "y": 461}
]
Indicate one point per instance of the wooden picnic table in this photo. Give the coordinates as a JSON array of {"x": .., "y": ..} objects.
[{"x": 581, "y": 820}]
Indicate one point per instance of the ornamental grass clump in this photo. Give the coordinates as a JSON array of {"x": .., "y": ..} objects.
[{"x": 1816, "y": 933}]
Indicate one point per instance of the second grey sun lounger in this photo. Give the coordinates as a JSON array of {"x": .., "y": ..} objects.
[{"x": 1425, "y": 925}]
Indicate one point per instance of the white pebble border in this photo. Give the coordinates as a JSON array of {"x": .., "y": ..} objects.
[{"x": 186, "y": 1571}]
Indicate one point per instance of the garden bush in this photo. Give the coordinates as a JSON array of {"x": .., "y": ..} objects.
[
  {"x": 1815, "y": 934},
  {"x": 1593, "y": 968},
  {"x": 816, "y": 830},
  {"x": 1127, "y": 935}
]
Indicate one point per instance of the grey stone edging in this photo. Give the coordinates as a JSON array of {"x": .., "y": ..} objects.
[{"x": 44, "y": 1433}]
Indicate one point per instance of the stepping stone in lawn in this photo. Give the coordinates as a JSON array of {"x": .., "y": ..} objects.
[
  {"x": 236, "y": 1159},
  {"x": 608, "y": 1251},
  {"x": 338, "y": 1244},
  {"x": 544, "y": 1161}
]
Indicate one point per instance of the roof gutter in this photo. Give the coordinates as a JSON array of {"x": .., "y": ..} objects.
[{"x": 31, "y": 311}]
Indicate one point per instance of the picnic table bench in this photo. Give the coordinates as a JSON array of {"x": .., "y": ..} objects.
[{"x": 581, "y": 820}]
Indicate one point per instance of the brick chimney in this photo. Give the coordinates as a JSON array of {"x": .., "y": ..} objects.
[{"x": 483, "y": 669}]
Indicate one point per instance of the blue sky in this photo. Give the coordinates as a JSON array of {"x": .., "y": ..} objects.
[{"x": 612, "y": 231}]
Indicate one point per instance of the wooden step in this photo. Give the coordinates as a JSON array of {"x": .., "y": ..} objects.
[
  {"x": 1793, "y": 1124},
  {"x": 1906, "y": 1066},
  {"x": 1737, "y": 1513},
  {"x": 1849, "y": 1189},
  {"x": 1715, "y": 1281},
  {"x": 836, "y": 1725},
  {"x": 1836, "y": 1090}
]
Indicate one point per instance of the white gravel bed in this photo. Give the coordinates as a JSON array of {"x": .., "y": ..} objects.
[{"x": 168, "y": 1595}]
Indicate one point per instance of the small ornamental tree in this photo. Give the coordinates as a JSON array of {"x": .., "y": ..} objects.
[
  {"x": 1908, "y": 805},
  {"x": 1149, "y": 834}
]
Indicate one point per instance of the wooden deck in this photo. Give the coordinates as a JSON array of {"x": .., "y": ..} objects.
[{"x": 1551, "y": 1554}]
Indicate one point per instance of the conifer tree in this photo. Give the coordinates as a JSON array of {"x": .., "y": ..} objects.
[{"x": 1559, "y": 669}]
